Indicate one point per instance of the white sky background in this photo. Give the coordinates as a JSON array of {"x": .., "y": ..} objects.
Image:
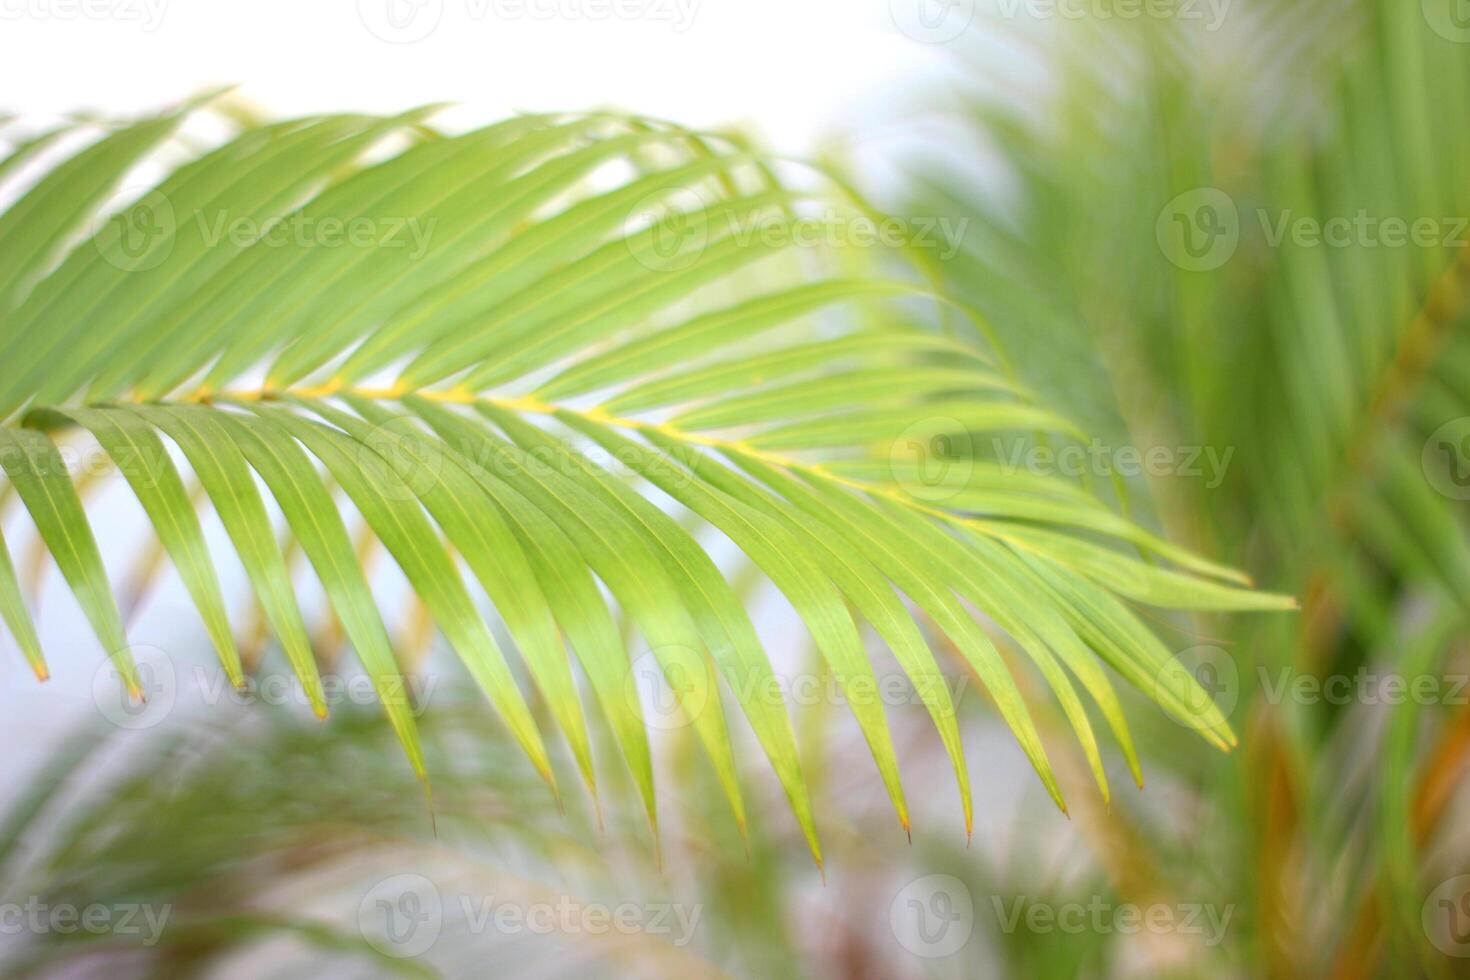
[{"x": 795, "y": 67}]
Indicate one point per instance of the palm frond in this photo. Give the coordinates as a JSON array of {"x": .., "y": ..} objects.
[{"x": 480, "y": 340}]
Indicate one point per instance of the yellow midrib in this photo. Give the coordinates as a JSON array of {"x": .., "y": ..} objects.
[{"x": 531, "y": 405}]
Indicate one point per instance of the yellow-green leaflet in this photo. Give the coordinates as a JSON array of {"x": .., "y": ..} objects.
[
  {"x": 218, "y": 462},
  {"x": 389, "y": 507},
  {"x": 39, "y": 474},
  {"x": 13, "y": 610},
  {"x": 482, "y": 538},
  {"x": 313, "y": 517},
  {"x": 140, "y": 454}
]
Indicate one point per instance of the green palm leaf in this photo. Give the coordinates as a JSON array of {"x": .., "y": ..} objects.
[{"x": 484, "y": 341}]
